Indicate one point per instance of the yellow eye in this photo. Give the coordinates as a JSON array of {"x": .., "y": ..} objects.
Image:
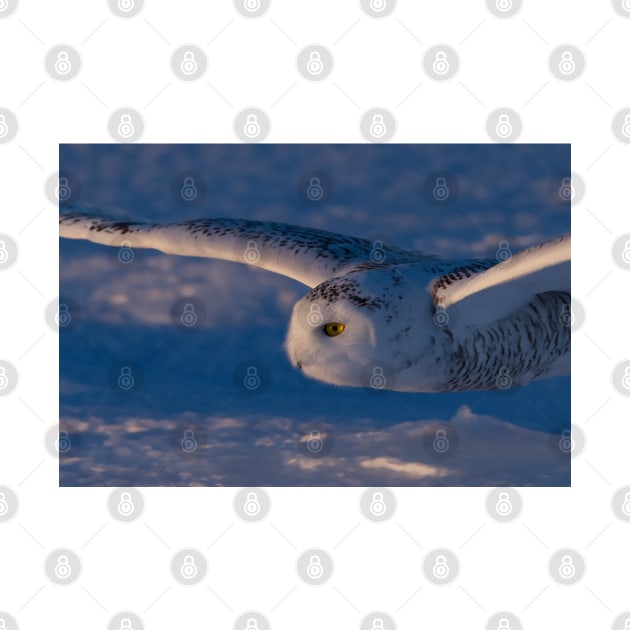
[{"x": 333, "y": 329}]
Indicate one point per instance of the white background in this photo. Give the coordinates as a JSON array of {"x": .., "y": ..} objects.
[{"x": 251, "y": 62}]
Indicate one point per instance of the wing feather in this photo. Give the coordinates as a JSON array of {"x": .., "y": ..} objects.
[
  {"x": 305, "y": 254},
  {"x": 483, "y": 296}
]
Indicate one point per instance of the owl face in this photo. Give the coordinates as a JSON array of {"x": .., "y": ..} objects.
[{"x": 331, "y": 336}]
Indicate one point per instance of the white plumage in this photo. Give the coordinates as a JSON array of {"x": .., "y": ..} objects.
[{"x": 384, "y": 317}]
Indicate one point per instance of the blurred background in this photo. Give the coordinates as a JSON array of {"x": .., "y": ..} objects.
[{"x": 182, "y": 335}]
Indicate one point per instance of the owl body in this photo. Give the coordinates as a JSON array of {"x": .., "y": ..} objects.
[
  {"x": 384, "y": 317},
  {"x": 395, "y": 338}
]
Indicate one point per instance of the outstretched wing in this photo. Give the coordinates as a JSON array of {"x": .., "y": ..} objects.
[
  {"x": 482, "y": 297},
  {"x": 307, "y": 255}
]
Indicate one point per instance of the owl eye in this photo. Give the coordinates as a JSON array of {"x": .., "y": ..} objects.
[{"x": 333, "y": 329}]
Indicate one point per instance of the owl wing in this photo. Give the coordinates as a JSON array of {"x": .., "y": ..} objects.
[
  {"x": 305, "y": 254},
  {"x": 483, "y": 296}
]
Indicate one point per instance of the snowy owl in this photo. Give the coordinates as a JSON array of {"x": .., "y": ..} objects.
[{"x": 383, "y": 317}]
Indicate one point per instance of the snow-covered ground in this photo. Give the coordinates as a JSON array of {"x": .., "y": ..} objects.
[{"x": 189, "y": 382}]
